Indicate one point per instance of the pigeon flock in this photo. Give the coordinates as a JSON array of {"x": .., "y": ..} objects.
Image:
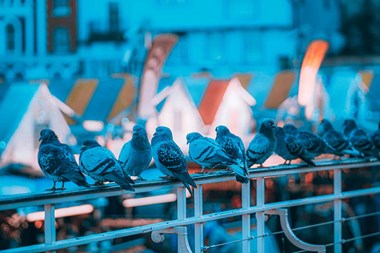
[{"x": 227, "y": 151}]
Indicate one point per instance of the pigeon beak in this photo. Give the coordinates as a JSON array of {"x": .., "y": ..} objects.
[{"x": 187, "y": 142}]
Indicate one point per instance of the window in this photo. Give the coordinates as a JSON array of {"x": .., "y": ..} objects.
[
  {"x": 10, "y": 38},
  {"x": 61, "y": 8},
  {"x": 61, "y": 40},
  {"x": 113, "y": 11}
]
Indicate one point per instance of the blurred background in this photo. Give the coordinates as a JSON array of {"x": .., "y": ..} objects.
[{"x": 92, "y": 69}]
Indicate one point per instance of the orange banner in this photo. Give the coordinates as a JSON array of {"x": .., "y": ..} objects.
[
  {"x": 157, "y": 55},
  {"x": 311, "y": 63}
]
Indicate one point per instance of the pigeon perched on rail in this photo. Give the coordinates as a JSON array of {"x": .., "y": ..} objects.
[
  {"x": 359, "y": 140},
  {"x": 281, "y": 148},
  {"x": 169, "y": 158},
  {"x": 100, "y": 164},
  {"x": 263, "y": 144},
  {"x": 207, "y": 152},
  {"x": 234, "y": 147},
  {"x": 57, "y": 161},
  {"x": 296, "y": 146},
  {"x": 333, "y": 138},
  {"x": 376, "y": 137},
  {"x": 136, "y": 155},
  {"x": 314, "y": 144}
]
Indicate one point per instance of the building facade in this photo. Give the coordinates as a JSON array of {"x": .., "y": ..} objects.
[{"x": 68, "y": 38}]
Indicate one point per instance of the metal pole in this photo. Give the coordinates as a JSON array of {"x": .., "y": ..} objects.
[
  {"x": 50, "y": 233},
  {"x": 181, "y": 209},
  {"x": 260, "y": 219},
  {"x": 337, "y": 211},
  {"x": 198, "y": 212},
  {"x": 246, "y": 218}
]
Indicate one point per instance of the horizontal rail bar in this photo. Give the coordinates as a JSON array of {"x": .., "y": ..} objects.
[
  {"x": 188, "y": 221},
  {"x": 80, "y": 194}
]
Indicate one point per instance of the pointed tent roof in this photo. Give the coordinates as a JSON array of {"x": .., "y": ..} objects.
[
  {"x": 196, "y": 87},
  {"x": 271, "y": 89},
  {"x": 373, "y": 93},
  {"x": 211, "y": 100},
  {"x": 95, "y": 99},
  {"x": 13, "y": 107}
]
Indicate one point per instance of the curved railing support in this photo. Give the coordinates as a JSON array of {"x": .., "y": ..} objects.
[
  {"x": 184, "y": 247},
  {"x": 283, "y": 213}
]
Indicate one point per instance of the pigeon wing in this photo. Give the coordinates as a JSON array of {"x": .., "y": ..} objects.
[
  {"x": 258, "y": 147},
  {"x": 124, "y": 153},
  {"x": 171, "y": 156}
]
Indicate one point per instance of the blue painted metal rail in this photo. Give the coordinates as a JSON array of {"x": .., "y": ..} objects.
[{"x": 178, "y": 226}]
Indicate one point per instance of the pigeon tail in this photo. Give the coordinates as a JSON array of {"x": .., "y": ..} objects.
[
  {"x": 186, "y": 179},
  {"x": 240, "y": 173},
  {"x": 307, "y": 160},
  {"x": 78, "y": 179},
  {"x": 120, "y": 181},
  {"x": 241, "y": 179},
  {"x": 126, "y": 176}
]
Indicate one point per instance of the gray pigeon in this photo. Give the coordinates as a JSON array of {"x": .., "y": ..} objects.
[
  {"x": 296, "y": 146},
  {"x": 57, "y": 161},
  {"x": 136, "y": 155},
  {"x": 207, "y": 152},
  {"x": 281, "y": 148},
  {"x": 263, "y": 144},
  {"x": 314, "y": 145},
  {"x": 332, "y": 138},
  {"x": 100, "y": 164},
  {"x": 234, "y": 147},
  {"x": 169, "y": 158},
  {"x": 376, "y": 137},
  {"x": 359, "y": 140}
]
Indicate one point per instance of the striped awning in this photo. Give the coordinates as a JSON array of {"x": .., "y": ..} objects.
[{"x": 96, "y": 99}]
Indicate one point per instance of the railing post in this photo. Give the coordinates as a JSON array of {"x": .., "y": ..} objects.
[
  {"x": 181, "y": 209},
  {"x": 246, "y": 218},
  {"x": 198, "y": 212},
  {"x": 50, "y": 233},
  {"x": 337, "y": 211},
  {"x": 260, "y": 219}
]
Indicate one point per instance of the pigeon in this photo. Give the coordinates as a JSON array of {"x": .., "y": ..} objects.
[
  {"x": 169, "y": 158},
  {"x": 234, "y": 147},
  {"x": 296, "y": 146},
  {"x": 57, "y": 161},
  {"x": 281, "y": 148},
  {"x": 359, "y": 140},
  {"x": 314, "y": 145},
  {"x": 207, "y": 152},
  {"x": 136, "y": 155},
  {"x": 332, "y": 138},
  {"x": 100, "y": 164},
  {"x": 375, "y": 138},
  {"x": 262, "y": 145}
]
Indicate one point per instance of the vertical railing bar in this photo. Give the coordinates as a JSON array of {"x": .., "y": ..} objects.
[
  {"x": 198, "y": 212},
  {"x": 246, "y": 218},
  {"x": 181, "y": 209},
  {"x": 337, "y": 211},
  {"x": 260, "y": 219},
  {"x": 49, "y": 224}
]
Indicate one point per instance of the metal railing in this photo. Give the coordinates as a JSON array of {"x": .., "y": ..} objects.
[{"x": 199, "y": 218}]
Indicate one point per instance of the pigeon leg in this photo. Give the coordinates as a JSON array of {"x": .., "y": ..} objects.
[
  {"x": 169, "y": 178},
  {"x": 202, "y": 171},
  {"x": 286, "y": 162},
  {"x": 141, "y": 179},
  {"x": 63, "y": 186},
  {"x": 53, "y": 188}
]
